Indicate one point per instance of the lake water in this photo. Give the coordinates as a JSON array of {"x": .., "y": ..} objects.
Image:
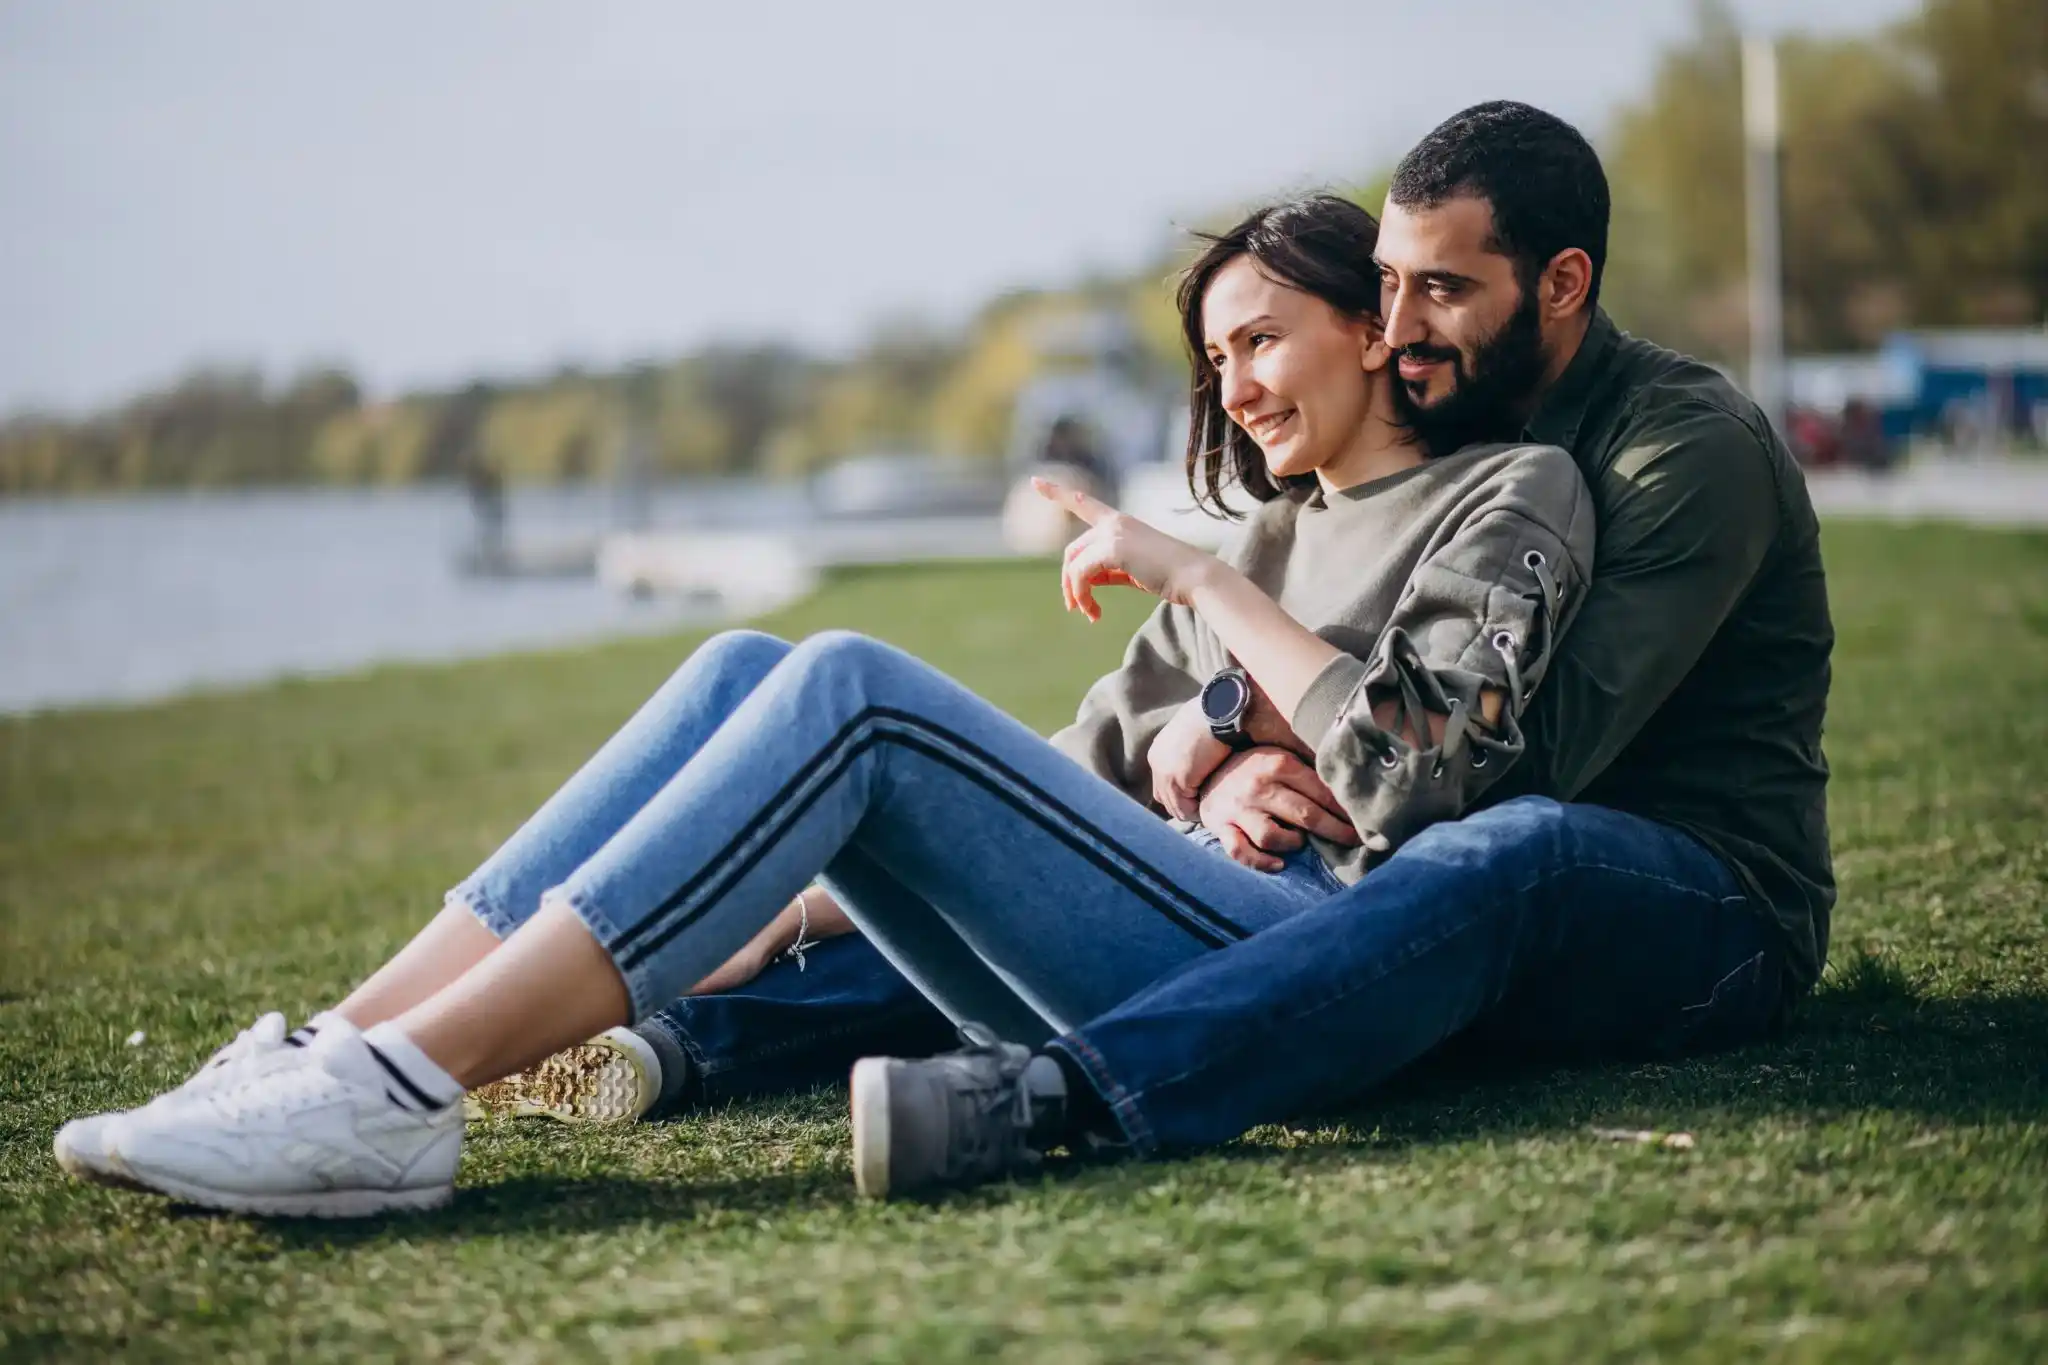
[{"x": 126, "y": 599}]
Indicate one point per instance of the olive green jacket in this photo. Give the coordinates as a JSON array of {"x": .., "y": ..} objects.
[{"x": 1692, "y": 687}]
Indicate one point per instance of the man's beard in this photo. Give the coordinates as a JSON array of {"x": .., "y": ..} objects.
[{"x": 1484, "y": 403}]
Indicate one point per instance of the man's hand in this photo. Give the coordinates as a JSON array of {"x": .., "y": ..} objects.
[
  {"x": 1186, "y": 754},
  {"x": 813, "y": 916},
  {"x": 743, "y": 966},
  {"x": 1261, "y": 801},
  {"x": 1266, "y": 726}
]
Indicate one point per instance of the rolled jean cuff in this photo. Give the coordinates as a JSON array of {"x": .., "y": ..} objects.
[
  {"x": 1123, "y": 1105},
  {"x": 642, "y": 993},
  {"x": 473, "y": 898}
]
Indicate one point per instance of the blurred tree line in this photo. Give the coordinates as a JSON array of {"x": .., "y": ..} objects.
[
  {"x": 1912, "y": 183},
  {"x": 1913, "y": 195}
]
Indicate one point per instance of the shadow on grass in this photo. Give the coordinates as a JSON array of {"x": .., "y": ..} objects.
[
  {"x": 571, "y": 1204},
  {"x": 1867, "y": 1042}
]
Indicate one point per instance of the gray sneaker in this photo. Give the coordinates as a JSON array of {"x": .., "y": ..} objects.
[{"x": 950, "y": 1121}]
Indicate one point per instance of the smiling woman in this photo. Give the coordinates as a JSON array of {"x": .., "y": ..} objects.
[{"x": 1280, "y": 314}]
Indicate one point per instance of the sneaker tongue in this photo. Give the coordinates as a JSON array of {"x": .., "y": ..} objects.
[{"x": 345, "y": 1055}]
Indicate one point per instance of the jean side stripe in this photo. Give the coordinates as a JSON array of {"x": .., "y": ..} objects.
[
  {"x": 825, "y": 768},
  {"x": 1152, "y": 895},
  {"x": 1197, "y": 920}
]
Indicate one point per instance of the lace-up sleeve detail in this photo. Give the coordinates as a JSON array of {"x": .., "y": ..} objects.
[{"x": 1484, "y": 612}]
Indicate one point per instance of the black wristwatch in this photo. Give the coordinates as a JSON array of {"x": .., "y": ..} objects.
[{"x": 1225, "y": 699}]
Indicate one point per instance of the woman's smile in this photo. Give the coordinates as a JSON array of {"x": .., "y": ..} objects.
[{"x": 1264, "y": 429}]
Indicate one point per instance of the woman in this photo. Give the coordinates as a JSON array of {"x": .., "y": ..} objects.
[{"x": 1386, "y": 612}]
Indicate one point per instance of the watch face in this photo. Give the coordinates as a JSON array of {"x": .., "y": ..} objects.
[{"x": 1224, "y": 698}]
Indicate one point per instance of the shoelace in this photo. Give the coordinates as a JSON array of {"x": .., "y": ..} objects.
[
  {"x": 266, "y": 1033},
  {"x": 277, "y": 1093},
  {"x": 986, "y": 1138}
]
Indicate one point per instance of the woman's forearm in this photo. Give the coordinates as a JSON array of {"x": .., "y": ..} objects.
[{"x": 1282, "y": 655}]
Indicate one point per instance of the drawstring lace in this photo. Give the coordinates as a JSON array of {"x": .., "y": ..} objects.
[
  {"x": 981, "y": 1145},
  {"x": 1420, "y": 693}
]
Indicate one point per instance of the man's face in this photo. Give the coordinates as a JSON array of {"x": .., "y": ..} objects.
[{"x": 1468, "y": 339}]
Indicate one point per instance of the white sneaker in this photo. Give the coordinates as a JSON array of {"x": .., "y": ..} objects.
[
  {"x": 613, "y": 1078},
  {"x": 324, "y": 1139},
  {"x": 81, "y": 1145}
]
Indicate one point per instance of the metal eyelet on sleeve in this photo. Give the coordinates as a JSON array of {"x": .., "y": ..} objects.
[
  {"x": 1478, "y": 757},
  {"x": 1388, "y": 760},
  {"x": 1504, "y": 641},
  {"x": 1533, "y": 560}
]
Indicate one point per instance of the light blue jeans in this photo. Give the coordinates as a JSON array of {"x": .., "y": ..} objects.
[{"x": 1008, "y": 883}]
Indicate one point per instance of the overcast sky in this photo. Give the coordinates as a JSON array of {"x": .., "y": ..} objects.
[{"x": 424, "y": 190}]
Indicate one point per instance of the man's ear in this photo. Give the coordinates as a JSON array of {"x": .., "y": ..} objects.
[{"x": 1565, "y": 283}]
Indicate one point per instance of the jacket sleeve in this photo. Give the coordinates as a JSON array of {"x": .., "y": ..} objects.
[
  {"x": 1688, "y": 513},
  {"x": 1484, "y": 610}
]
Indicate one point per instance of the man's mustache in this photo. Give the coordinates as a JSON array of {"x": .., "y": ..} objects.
[{"x": 1423, "y": 354}]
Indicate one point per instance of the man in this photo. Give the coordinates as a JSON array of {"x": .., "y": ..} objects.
[{"x": 1654, "y": 878}]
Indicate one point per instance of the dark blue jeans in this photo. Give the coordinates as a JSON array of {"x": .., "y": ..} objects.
[
  {"x": 1534, "y": 928},
  {"x": 791, "y": 1029}
]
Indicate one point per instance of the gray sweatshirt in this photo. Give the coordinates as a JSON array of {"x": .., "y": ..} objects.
[{"x": 1436, "y": 582}]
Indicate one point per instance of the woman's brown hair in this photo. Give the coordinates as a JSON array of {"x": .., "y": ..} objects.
[{"x": 1319, "y": 244}]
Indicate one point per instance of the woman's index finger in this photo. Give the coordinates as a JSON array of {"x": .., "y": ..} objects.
[{"x": 1073, "y": 499}]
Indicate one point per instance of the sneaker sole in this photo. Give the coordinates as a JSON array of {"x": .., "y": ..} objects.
[
  {"x": 322, "y": 1204},
  {"x": 870, "y": 1119},
  {"x": 601, "y": 1081},
  {"x": 77, "y": 1167}
]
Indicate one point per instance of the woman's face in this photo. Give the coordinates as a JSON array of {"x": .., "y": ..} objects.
[{"x": 1292, "y": 371}]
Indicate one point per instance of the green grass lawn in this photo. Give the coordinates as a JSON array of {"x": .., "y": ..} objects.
[{"x": 1875, "y": 1186}]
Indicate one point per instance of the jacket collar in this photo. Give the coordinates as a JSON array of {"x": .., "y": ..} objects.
[{"x": 1562, "y": 409}]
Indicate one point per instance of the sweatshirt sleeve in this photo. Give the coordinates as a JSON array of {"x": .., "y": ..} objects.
[
  {"x": 1483, "y": 610},
  {"x": 1125, "y": 711}
]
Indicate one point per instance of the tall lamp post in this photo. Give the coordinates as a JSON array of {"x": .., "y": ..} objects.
[{"x": 1761, "y": 144}]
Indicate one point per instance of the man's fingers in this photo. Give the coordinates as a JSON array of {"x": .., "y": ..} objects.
[
  {"x": 1240, "y": 847},
  {"x": 1289, "y": 771},
  {"x": 1271, "y": 835},
  {"x": 1296, "y": 809}
]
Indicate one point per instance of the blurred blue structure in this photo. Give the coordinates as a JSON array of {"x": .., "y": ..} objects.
[{"x": 1967, "y": 386}]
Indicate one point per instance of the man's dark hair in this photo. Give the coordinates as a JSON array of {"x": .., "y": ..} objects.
[{"x": 1542, "y": 179}]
